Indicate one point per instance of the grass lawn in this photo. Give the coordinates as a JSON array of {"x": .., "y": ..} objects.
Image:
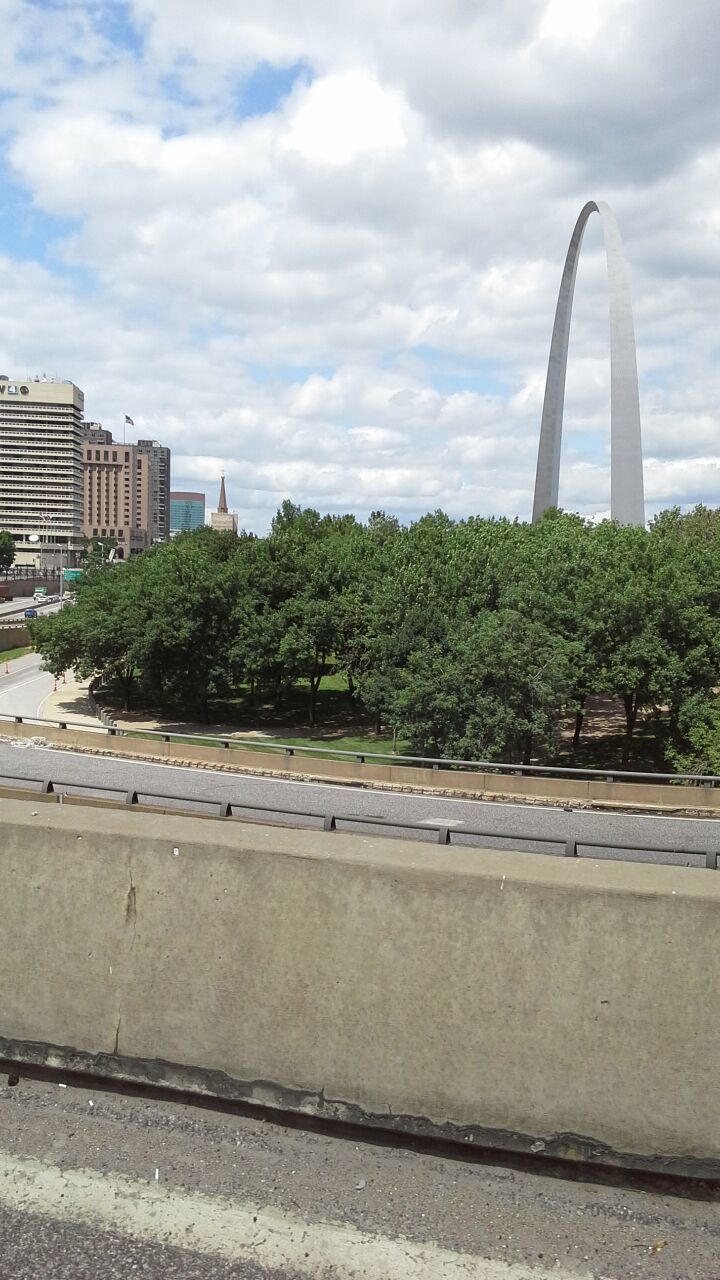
[
  {"x": 7, "y": 655},
  {"x": 334, "y": 742}
]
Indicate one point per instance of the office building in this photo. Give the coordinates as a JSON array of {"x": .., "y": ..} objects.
[
  {"x": 159, "y": 464},
  {"x": 187, "y": 512},
  {"x": 41, "y": 469},
  {"x": 116, "y": 492},
  {"x": 223, "y": 520}
]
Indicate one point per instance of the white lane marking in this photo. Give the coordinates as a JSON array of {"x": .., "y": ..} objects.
[
  {"x": 22, "y": 684},
  {"x": 368, "y": 789},
  {"x": 240, "y": 1231}
]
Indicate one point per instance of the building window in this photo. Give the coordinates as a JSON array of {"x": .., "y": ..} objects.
[{"x": 114, "y": 457}]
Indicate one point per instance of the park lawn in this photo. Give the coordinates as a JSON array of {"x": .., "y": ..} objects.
[
  {"x": 361, "y": 743},
  {"x": 330, "y": 744},
  {"x": 7, "y": 655}
]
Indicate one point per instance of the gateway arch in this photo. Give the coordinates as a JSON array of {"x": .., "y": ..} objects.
[{"x": 627, "y": 504}]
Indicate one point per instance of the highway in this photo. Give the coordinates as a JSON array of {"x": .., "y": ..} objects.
[
  {"x": 99, "y": 1182},
  {"x": 510, "y": 825},
  {"x": 12, "y": 608},
  {"x": 23, "y": 692}
]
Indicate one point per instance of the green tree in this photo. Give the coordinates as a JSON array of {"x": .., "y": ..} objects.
[
  {"x": 101, "y": 634},
  {"x": 656, "y": 642},
  {"x": 492, "y": 692},
  {"x": 7, "y": 549}
]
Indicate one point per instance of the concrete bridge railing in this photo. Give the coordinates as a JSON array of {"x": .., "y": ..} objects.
[{"x": 535, "y": 1004}]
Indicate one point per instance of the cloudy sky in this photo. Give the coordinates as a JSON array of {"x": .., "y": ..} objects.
[{"x": 318, "y": 244}]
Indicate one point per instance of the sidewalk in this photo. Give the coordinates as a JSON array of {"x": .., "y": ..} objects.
[{"x": 70, "y": 701}]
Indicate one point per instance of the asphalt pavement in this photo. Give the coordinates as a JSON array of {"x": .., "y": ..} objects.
[
  {"x": 24, "y": 688},
  {"x": 99, "y": 1182},
  {"x": 12, "y": 608},
  {"x": 528, "y": 827}
]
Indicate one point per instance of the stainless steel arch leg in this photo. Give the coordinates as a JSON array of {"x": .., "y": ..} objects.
[{"x": 627, "y": 502}]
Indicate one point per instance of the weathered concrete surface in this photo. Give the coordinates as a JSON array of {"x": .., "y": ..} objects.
[
  {"x": 514, "y": 1001},
  {"x": 12, "y": 637}
]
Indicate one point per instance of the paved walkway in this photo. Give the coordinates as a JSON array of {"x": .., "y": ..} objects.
[
  {"x": 169, "y": 724},
  {"x": 70, "y": 701}
]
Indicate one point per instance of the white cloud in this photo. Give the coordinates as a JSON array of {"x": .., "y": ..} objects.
[
  {"x": 344, "y": 116},
  {"x": 347, "y": 297}
]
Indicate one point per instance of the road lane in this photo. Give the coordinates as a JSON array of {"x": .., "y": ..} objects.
[
  {"x": 509, "y": 825},
  {"x": 100, "y": 1182},
  {"x": 24, "y": 688}
]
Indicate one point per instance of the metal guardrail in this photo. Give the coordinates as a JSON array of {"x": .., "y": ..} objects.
[
  {"x": 329, "y": 819},
  {"x": 708, "y": 780}
]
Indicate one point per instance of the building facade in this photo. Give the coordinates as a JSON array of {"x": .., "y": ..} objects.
[
  {"x": 116, "y": 480},
  {"x": 223, "y": 520},
  {"x": 187, "y": 512},
  {"x": 41, "y": 469},
  {"x": 159, "y": 469}
]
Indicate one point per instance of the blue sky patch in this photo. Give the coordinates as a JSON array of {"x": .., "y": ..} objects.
[{"x": 266, "y": 87}]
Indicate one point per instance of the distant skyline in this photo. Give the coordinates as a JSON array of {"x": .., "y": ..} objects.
[{"x": 319, "y": 247}]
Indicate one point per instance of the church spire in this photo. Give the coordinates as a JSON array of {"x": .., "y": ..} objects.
[{"x": 222, "y": 504}]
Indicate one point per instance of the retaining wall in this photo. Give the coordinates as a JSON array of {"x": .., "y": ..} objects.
[
  {"x": 497, "y": 998},
  {"x": 12, "y": 638}
]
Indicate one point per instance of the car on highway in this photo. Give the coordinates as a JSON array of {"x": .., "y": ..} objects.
[{"x": 30, "y": 613}]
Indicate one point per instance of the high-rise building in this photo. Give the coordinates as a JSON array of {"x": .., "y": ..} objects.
[
  {"x": 41, "y": 476},
  {"x": 116, "y": 491},
  {"x": 159, "y": 463},
  {"x": 223, "y": 520},
  {"x": 187, "y": 511}
]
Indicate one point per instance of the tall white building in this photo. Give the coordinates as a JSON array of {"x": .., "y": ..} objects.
[{"x": 41, "y": 467}]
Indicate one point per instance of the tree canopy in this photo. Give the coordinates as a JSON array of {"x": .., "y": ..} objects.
[{"x": 470, "y": 638}]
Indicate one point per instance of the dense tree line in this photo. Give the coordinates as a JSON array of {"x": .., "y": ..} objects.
[{"x": 471, "y": 638}]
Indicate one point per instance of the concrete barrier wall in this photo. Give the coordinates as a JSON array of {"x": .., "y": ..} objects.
[
  {"x": 13, "y": 638},
  {"x": 448, "y": 781},
  {"x": 497, "y": 998}
]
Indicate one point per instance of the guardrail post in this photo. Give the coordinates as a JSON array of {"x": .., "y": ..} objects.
[
  {"x": 132, "y": 797},
  {"x": 62, "y": 724},
  {"x": 226, "y": 744},
  {"x": 112, "y": 731},
  {"x": 329, "y": 823},
  {"x": 360, "y": 759},
  {"x": 711, "y": 860},
  {"x": 443, "y": 835},
  {"x": 47, "y": 789},
  {"x": 436, "y": 767},
  {"x": 18, "y": 719},
  {"x": 571, "y": 848},
  {"x": 289, "y": 751},
  {"x": 166, "y": 737},
  {"x": 517, "y": 773},
  {"x": 224, "y": 809}
]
